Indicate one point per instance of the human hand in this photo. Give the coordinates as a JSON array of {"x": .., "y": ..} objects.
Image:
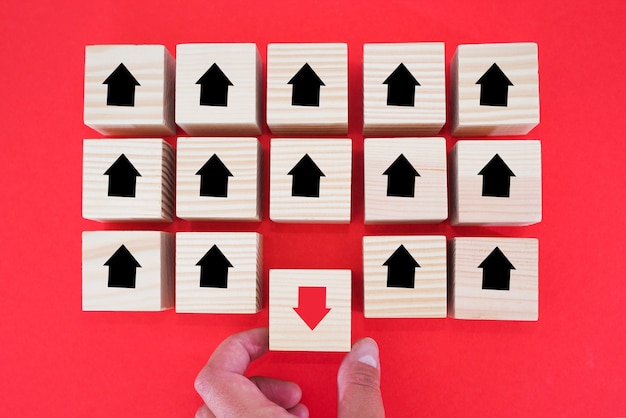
[{"x": 228, "y": 393}]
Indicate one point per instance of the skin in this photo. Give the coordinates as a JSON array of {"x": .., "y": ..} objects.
[{"x": 228, "y": 393}]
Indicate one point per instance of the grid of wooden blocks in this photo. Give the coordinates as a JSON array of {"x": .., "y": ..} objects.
[{"x": 214, "y": 174}]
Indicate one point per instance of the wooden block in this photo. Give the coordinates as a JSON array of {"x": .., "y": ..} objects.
[
  {"x": 218, "y": 89},
  {"x": 129, "y": 90},
  {"x": 310, "y": 310},
  {"x": 495, "y": 89},
  {"x": 218, "y": 179},
  {"x": 405, "y": 180},
  {"x": 494, "y": 278},
  {"x": 307, "y": 89},
  {"x": 404, "y": 276},
  {"x": 128, "y": 271},
  {"x": 128, "y": 180},
  {"x": 496, "y": 182},
  {"x": 218, "y": 272},
  {"x": 310, "y": 180},
  {"x": 404, "y": 89}
]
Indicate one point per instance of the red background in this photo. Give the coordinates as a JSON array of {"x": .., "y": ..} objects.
[{"x": 58, "y": 361}]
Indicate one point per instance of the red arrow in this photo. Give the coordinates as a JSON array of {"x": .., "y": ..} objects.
[{"x": 312, "y": 305}]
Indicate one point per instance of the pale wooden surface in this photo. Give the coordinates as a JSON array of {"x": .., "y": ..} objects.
[
  {"x": 330, "y": 62},
  {"x": 154, "y": 194},
  {"x": 334, "y": 158},
  {"x": 154, "y": 69},
  {"x": 241, "y": 63},
  {"x": 242, "y": 157},
  {"x": 243, "y": 294},
  {"x": 522, "y": 207},
  {"x": 426, "y": 62},
  {"x": 426, "y": 300},
  {"x": 154, "y": 287},
  {"x": 428, "y": 157},
  {"x": 288, "y": 332},
  {"x": 519, "y": 61},
  {"x": 468, "y": 300}
]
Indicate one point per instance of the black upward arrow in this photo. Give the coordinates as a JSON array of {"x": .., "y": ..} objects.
[
  {"x": 306, "y": 178},
  {"x": 122, "y": 269},
  {"x": 494, "y": 87},
  {"x": 401, "y": 269},
  {"x": 401, "y": 87},
  {"x": 214, "y": 87},
  {"x": 496, "y": 271},
  {"x": 121, "y": 87},
  {"x": 214, "y": 178},
  {"x": 214, "y": 269},
  {"x": 401, "y": 178},
  {"x": 496, "y": 178},
  {"x": 122, "y": 178},
  {"x": 305, "y": 87}
]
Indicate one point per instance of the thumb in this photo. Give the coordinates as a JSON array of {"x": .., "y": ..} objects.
[{"x": 358, "y": 381}]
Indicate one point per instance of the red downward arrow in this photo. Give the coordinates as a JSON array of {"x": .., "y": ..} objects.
[{"x": 312, "y": 305}]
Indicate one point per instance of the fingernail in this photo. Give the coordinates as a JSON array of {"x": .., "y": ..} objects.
[{"x": 366, "y": 351}]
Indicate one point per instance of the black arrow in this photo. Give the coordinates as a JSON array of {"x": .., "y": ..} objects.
[
  {"x": 305, "y": 87},
  {"x": 306, "y": 178},
  {"x": 122, "y": 178},
  {"x": 214, "y": 269},
  {"x": 496, "y": 271},
  {"x": 401, "y": 178},
  {"x": 494, "y": 87},
  {"x": 401, "y": 269},
  {"x": 401, "y": 87},
  {"x": 122, "y": 269},
  {"x": 214, "y": 87},
  {"x": 214, "y": 178},
  {"x": 496, "y": 178},
  {"x": 121, "y": 87}
]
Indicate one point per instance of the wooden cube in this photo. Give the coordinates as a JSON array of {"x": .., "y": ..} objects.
[
  {"x": 128, "y": 180},
  {"x": 218, "y": 89},
  {"x": 310, "y": 180},
  {"x": 404, "y": 276},
  {"x": 128, "y": 271},
  {"x": 218, "y": 179},
  {"x": 307, "y": 89},
  {"x": 494, "y": 278},
  {"x": 405, "y": 180},
  {"x": 404, "y": 89},
  {"x": 218, "y": 272},
  {"x": 496, "y": 182},
  {"x": 310, "y": 310},
  {"x": 129, "y": 90},
  {"x": 495, "y": 89}
]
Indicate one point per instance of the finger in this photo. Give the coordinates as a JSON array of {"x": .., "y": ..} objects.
[
  {"x": 300, "y": 411},
  {"x": 204, "y": 412},
  {"x": 284, "y": 393},
  {"x": 358, "y": 381},
  {"x": 237, "y": 351}
]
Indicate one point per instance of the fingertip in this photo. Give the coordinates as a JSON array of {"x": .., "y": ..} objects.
[{"x": 300, "y": 410}]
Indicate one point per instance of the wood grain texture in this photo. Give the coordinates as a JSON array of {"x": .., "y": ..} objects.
[
  {"x": 330, "y": 63},
  {"x": 426, "y": 300},
  {"x": 244, "y": 292},
  {"x": 288, "y": 332},
  {"x": 241, "y": 64},
  {"x": 467, "y": 299},
  {"x": 426, "y": 62},
  {"x": 430, "y": 201},
  {"x": 242, "y": 157},
  {"x": 519, "y": 61},
  {"x": 334, "y": 158},
  {"x": 154, "y": 197},
  {"x": 154, "y": 288},
  {"x": 522, "y": 207},
  {"x": 153, "y": 67}
]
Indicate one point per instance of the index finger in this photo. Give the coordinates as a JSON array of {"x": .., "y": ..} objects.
[{"x": 235, "y": 354}]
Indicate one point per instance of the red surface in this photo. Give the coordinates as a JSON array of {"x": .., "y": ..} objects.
[{"x": 58, "y": 361}]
